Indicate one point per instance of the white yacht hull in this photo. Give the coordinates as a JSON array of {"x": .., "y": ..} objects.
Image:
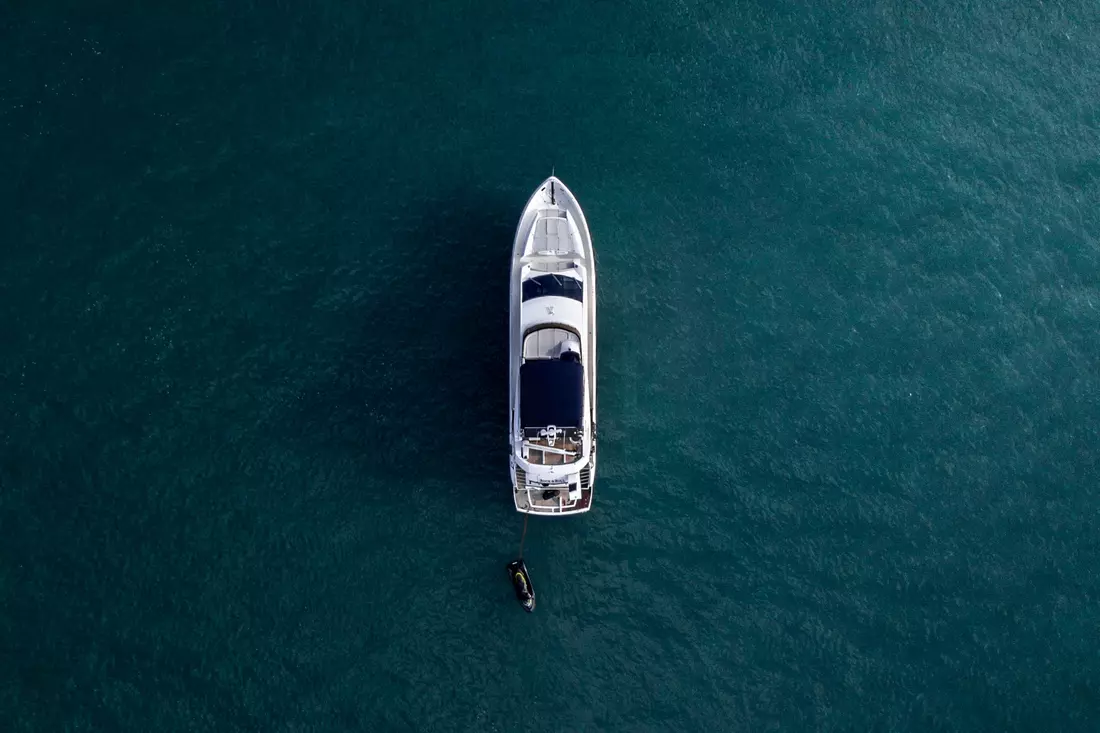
[{"x": 552, "y": 347}]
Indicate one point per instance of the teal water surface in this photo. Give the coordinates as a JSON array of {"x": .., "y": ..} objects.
[{"x": 253, "y": 308}]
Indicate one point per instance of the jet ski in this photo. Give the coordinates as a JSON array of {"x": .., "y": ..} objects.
[{"x": 521, "y": 582}]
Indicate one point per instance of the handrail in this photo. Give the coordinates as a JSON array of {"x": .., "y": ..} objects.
[
  {"x": 560, "y": 255},
  {"x": 550, "y": 449},
  {"x": 562, "y": 506}
]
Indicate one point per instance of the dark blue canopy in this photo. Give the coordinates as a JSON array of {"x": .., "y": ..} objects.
[{"x": 551, "y": 392}]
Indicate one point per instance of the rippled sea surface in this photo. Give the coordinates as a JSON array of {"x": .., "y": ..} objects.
[{"x": 253, "y": 312}]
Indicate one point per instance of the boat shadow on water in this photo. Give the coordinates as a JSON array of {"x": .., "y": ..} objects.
[{"x": 420, "y": 393}]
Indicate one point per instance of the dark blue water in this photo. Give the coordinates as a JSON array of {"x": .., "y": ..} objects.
[{"x": 253, "y": 308}]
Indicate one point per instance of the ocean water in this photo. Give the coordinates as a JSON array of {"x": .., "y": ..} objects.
[{"x": 253, "y": 312}]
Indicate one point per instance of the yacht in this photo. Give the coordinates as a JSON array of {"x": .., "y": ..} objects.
[{"x": 552, "y": 346}]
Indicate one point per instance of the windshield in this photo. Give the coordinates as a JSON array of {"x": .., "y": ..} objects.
[{"x": 560, "y": 285}]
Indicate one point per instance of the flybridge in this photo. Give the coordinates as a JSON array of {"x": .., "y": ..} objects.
[{"x": 552, "y": 446}]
